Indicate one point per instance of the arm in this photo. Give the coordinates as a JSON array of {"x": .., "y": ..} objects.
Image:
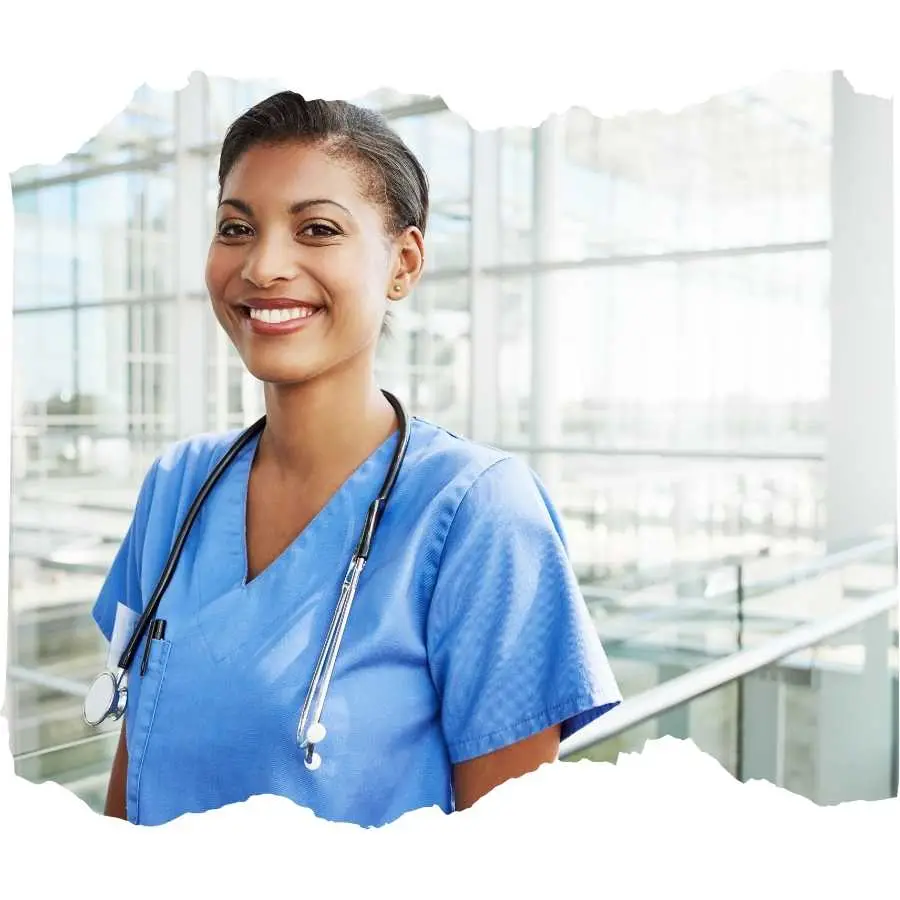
[
  {"x": 513, "y": 652},
  {"x": 476, "y": 777},
  {"x": 115, "y": 795}
]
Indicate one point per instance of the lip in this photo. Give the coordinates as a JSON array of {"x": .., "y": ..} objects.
[{"x": 277, "y": 328}]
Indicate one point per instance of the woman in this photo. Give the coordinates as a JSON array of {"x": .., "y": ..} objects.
[{"x": 469, "y": 653}]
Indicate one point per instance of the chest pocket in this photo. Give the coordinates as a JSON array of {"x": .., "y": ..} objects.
[{"x": 143, "y": 703}]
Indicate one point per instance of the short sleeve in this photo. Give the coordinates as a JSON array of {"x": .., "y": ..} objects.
[
  {"x": 123, "y": 580},
  {"x": 511, "y": 644}
]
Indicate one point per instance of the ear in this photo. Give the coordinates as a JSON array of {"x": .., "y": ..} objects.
[{"x": 408, "y": 265}]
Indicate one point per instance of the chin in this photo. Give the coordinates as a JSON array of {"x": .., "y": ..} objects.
[
  {"x": 282, "y": 371},
  {"x": 298, "y": 365},
  {"x": 285, "y": 377}
]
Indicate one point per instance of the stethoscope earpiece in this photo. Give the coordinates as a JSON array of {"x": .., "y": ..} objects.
[{"x": 315, "y": 734}]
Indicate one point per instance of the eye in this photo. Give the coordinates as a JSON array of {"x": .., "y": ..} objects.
[
  {"x": 233, "y": 229},
  {"x": 320, "y": 230}
]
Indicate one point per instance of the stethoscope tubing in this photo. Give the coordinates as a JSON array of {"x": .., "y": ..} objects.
[{"x": 149, "y": 613}]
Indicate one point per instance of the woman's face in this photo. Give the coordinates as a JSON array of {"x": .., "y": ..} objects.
[{"x": 301, "y": 269}]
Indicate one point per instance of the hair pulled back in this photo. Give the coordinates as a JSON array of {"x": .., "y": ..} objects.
[{"x": 390, "y": 174}]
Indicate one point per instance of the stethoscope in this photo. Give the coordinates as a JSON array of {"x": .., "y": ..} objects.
[{"x": 107, "y": 697}]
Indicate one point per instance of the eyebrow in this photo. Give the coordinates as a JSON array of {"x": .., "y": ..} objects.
[{"x": 294, "y": 210}]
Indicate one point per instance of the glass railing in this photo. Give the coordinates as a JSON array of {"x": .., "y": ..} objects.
[
  {"x": 50, "y": 741},
  {"x": 81, "y": 766},
  {"x": 801, "y": 690},
  {"x": 724, "y": 608}
]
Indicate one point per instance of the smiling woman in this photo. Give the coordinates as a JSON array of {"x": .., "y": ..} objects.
[{"x": 469, "y": 653}]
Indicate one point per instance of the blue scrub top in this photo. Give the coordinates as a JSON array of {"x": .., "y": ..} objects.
[{"x": 468, "y": 633}]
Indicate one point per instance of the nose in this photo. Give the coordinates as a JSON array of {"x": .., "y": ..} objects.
[{"x": 270, "y": 260}]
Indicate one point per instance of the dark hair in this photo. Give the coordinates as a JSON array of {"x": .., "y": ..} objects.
[{"x": 391, "y": 174}]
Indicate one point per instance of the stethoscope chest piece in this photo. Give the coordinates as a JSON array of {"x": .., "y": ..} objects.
[{"x": 106, "y": 698}]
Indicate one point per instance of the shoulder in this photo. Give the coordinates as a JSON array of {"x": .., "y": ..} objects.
[
  {"x": 443, "y": 461},
  {"x": 197, "y": 453},
  {"x": 182, "y": 467},
  {"x": 441, "y": 450},
  {"x": 474, "y": 481}
]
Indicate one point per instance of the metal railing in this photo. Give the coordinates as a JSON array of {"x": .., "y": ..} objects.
[
  {"x": 69, "y": 745},
  {"x": 811, "y": 569},
  {"x": 684, "y": 689},
  {"x": 57, "y": 683},
  {"x": 688, "y": 608}
]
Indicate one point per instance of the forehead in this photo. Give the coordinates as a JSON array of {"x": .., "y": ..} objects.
[{"x": 285, "y": 174}]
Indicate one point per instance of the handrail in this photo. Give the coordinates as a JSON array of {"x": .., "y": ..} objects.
[
  {"x": 70, "y": 745},
  {"x": 664, "y": 454},
  {"x": 42, "y": 679},
  {"x": 699, "y": 682},
  {"x": 673, "y": 574},
  {"x": 819, "y": 566},
  {"x": 689, "y": 608}
]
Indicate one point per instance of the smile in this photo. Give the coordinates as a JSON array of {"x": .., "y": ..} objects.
[
  {"x": 280, "y": 319},
  {"x": 277, "y": 316}
]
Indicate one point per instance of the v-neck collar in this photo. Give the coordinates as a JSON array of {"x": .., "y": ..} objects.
[
  {"x": 340, "y": 502},
  {"x": 302, "y": 583}
]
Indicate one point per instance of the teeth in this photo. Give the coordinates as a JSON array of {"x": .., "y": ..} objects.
[{"x": 277, "y": 316}]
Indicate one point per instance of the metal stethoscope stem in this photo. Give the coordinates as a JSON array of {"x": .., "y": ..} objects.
[{"x": 310, "y": 730}]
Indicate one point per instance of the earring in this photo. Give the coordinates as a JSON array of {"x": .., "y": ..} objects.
[{"x": 398, "y": 287}]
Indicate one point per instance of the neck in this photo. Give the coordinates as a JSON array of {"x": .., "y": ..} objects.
[{"x": 331, "y": 422}]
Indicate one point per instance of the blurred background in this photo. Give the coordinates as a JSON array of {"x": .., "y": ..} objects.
[{"x": 684, "y": 322}]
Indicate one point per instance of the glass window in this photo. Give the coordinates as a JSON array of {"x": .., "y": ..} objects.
[
  {"x": 426, "y": 356},
  {"x": 151, "y": 367},
  {"x": 728, "y": 353},
  {"x": 141, "y": 131},
  {"x": 151, "y": 114},
  {"x": 150, "y": 234},
  {"x": 442, "y": 143},
  {"x": 225, "y": 373},
  {"x": 44, "y": 248},
  {"x": 123, "y": 235},
  {"x": 385, "y": 99},
  {"x": 516, "y": 194},
  {"x": 103, "y": 237},
  {"x": 748, "y": 169},
  {"x": 56, "y": 211},
  {"x": 44, "y": 360},
  {"x": 514, "y": 296},
  {"x": 229, "y": 98},
  {"x": 26, "y": 250},
  {"x": 103, "y": 353}
]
